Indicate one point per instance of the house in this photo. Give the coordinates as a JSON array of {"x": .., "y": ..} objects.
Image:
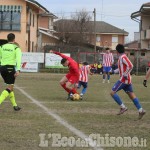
[
  {"x": 132, "y": 45},
  {"x": 143, "y": 18},
  {"x": 97, "y": 33},
  {"x": 29, "y": 21}
]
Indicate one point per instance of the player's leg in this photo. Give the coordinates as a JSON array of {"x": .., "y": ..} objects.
[
  {"x": 132, "y": 96},
  {"x": 8, "y": 76},
  {"x": 5, "y": 93},
  {"x": 12, "y": 97},
  {"x": 85, "y": 85},
  {"x": 104, "y": 74},
  {"x": 73, "y": 79},
  {"x": 79, "y": 84},
  {"x": 71, "y": 87},
  {"x": 117, "y": 87},
  {"x": 108, "y": 77},
  {"x": 108, "y": 74},
  {"x": 63, "y": 82}
]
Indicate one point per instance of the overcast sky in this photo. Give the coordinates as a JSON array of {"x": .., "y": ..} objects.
[{"x": 114, "y": 12}]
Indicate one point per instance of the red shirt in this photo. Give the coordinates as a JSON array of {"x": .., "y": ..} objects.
[{"x": 73, "y": 65}]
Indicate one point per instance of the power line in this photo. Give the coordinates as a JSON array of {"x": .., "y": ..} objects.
[{"x": 98, "y": 13}]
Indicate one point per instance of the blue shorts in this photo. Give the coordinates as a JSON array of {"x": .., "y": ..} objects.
[
  {"x": 84, "y": 84},
  {"x": 106, "y": 69},
  {"x": 119, "y": 86}
]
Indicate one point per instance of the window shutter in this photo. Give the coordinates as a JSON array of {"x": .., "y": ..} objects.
[{"x": 13, "y": 8}]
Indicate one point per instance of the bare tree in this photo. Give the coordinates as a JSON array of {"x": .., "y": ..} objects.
[
  {"x": 77, "y": 29},
  {"x": 82, "y": 25}
]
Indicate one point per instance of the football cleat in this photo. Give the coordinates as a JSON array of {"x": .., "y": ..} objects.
[
  {"x": 69, "y": 96},
  {"x": 122, "y": 110},
  {"x": 141, "y": 114},
  {"x": 81, "y": 97},
  {"x": 17, "y": 108}
]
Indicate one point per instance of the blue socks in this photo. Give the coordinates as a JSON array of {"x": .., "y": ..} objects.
[
  {"x": 108, "y": 76},
  {"x": 117, "y": 99},
  {"x": 136, "y": 103},
  {"x": 84, "y": 90}
]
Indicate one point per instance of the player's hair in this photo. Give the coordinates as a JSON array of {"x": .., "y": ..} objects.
[
  {"x": 85, "y": 63},
  {"x": 10, "y": 37},
  {"x": 107, "y": 48},
  {"x": 63, "y": 61},
  {"x": 120, "y": 48}
]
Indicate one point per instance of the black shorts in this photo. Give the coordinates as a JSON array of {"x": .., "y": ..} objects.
[{"x": 7, "y": 73}]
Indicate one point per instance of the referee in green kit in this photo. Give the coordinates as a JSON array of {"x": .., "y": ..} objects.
[{"x": 10, "y": 55}]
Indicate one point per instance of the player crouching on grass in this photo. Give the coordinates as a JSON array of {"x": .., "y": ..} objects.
[
  {"x": 69, "y": 81},
  {"x": 124, "y": 68}
]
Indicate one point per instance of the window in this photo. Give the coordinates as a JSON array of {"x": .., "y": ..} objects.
[
  {"x": 10, "y": 17},
  {"x": 131, "y": 53},
  {"x": 98, "y": 39},
  {"x": 30, "y": 19},
  {"x": 144, "y": 33},
  {"x": 142, "y": 54},
  {"x": 33, "y": 20},
  {"x": 115, "y": 39},
  {"x": 16, "y": 17}
]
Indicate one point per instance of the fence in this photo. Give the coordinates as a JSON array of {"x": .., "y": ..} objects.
[{"x": 139, "y": 58}]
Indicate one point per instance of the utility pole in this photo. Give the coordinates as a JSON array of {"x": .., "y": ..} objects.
[
  {"x": 94, "y": 29},
  {"x": 139, "y": 48}
]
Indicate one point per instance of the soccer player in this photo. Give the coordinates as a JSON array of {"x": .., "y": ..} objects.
[
  {"x": 83, "y": 79},
  {"x": 69, "y": 81},
  {"x": 124, "y": 68},
  {"x": 10, "y": 55},
  {"x": 108, "y": 60}
]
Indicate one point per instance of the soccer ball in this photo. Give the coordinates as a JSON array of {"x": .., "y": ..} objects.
[{"x": 75, "y": 97}]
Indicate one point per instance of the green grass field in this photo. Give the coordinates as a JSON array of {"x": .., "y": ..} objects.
[{"x": 45, "y": 108}]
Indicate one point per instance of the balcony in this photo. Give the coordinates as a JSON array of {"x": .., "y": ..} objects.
[{"x": 145, "y": 34}]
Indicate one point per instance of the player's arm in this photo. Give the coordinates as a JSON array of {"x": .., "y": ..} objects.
[
  {"x": 146, "y": 78},
  {"x": 129, "y": 65},
  {"x": 112, "y": 59},
  {"x": 18, "y": 60},
  {"x": 116, "y": 71},
  {"x": 103, "y": 59},
  {"x": 89, "y": 70},
  {"x": 0, "y": 55},
  {"x": 60, "y": 54},
  {"x": 147, "y": 74}
]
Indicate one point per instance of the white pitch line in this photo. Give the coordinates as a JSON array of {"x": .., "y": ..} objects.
[{"x": 61, "y": 120}]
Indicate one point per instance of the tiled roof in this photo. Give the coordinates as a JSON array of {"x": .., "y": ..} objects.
[
  {"x": 101, "y": 27},
  {"x": 38, "y": 4}
]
